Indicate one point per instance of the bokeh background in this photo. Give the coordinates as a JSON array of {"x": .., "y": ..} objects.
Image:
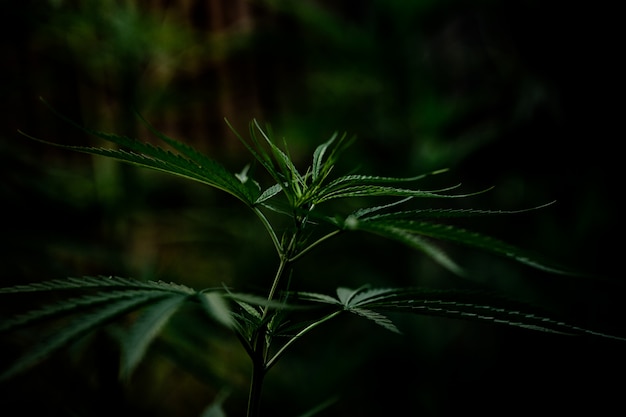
[{"x": 521, "y": 95}]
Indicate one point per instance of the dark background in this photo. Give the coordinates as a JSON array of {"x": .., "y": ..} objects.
[{"x": 525, "y": 96}]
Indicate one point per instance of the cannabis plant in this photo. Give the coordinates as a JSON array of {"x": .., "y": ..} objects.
[{"x": 296, "y": 210}]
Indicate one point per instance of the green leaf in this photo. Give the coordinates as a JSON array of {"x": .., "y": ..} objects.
[
  {"x": 217, "y": 308},
  {"x": 377, "y": 318},
  {"x": 411, "y": 239},
  {"x": 188, "y": 163},
  {"x": 189, "y": 152},
  {"x": 89, "y": 282},
  {"x": 348, "y": 180},
  {"x": 350, "y": 300},
  {"x": 369, "y": 190},
  {"x": 360, "y": 213},
  {"x": 345, "y": 295},
  {"x": 436, "y": 213},
  {"x": 318, "y": 158},
  {"x": 409, "y": 232},
  {"x": 458, "y": 304},
  {"x": 474, "y": 306},
  {"x": 369, "y": 295},
  {"x": 70, "y": 306},
  {"x": 259, "y": 153},
  {"x": 321, "y": 166},
  {"x": 318, "y": 298},
  {"x": 269, "y": 193},
  {"x": 145, "y": 330},
  {"x": 77, "y": 328}
]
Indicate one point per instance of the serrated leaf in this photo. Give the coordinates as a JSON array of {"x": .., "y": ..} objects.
[
  {"x": 317, "y": 297},
  {"x": 67, "y": 307},
  {"x": 360, "y": 213},
  {"x": 251, "y": 310},
  {"x": 377, "y": 318},
  {"x": 189, "y": 152},
  {"x": 259, "y": 153},
  {"x": 348, "y": 180},
  {"x": 158, "y": 159},
  {"x": 404, "y": 230},
  {"x": 91, "y": 282},
  {"x": 466, "y": 305},
  {"x": 369, "y": 295},
  {"x": 145, "y": 330},
  {"x": 411, "y": 239},
  {"x": 217, "y": 308},
  {"x": 189, "y": 163},
  {"x": 352, "y": 300},
  {"x": 77, "y": 328},
  {"x": 345, "y": 295},
  {"x": 384, "y": 191},
  {"x": 439, "y": 213},
  {"x": 269, "y": 193},
  {"x": 318, "y": 158},
  {"x": 285, "y": 166}
]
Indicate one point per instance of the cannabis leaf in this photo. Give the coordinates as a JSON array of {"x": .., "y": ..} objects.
[
  {"x": 371, "y": 303},
  {"x": 108, "y": 299},
  {"x": 186, "y": 162},
  {"x": 421, "y": 230}
]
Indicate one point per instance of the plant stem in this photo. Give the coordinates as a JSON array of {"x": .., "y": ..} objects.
[
  {"x": 314, "y": 244},
  {"x": 258, "y": 374},
  {"x": 259, "y": 341},
  {"x": 281, "y": 270},
  {"x": 269, "y": 229},
  {"x": 302, "y": 332}
]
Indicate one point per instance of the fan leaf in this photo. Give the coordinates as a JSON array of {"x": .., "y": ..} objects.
[
  {"x": 216, "y": 307},
  {"x": 70, "y": 306},
  {"x": 457, "y": 304},
  {"x": 438, "y": 213},
  {"x": 474, "y": 306},
  {"x": 77, "y": 328},
  {"x": 377, "y": 318},
  {"x": 90, "y": 282},
  {"x": 188, "y": 163},
  {"x": 145, "y": 330},
  {"x": 409, "y": 231},
  {"x": 368, "y": 190}
]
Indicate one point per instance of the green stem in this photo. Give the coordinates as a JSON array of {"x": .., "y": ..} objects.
[
  {"x": 258, "y": 374},
  {"x": 314, "y": 244},
  {"x": 281, "y": 270},
  {"x": 259, "y": 340},
  {"x": 302, "y": 332},
  {"x": 269, "y": 229}
]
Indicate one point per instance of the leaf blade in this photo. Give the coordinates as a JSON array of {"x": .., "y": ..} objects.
[
  {"x": 66, "y": 307},
  {"x": 96, "y": 282},
  {"x": 74, "y": 330},
  {"x": 406, "y": 228},
  {"x": 147, "y": 327},
  {"x": 189, "y": 163}
]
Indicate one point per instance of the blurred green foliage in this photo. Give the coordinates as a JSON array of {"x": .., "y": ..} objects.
[{"x": 512, "y": 94}]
